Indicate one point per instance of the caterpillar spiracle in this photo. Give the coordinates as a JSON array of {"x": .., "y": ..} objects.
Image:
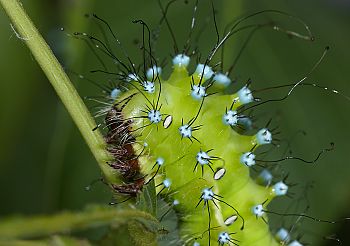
[{"x": 189, "y": 136}]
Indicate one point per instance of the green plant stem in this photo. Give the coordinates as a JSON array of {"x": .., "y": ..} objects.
[
  {"x": 26, "y": 31},
  {"x": 52, "y": 241},
  {"x": 41, "y": 226}
]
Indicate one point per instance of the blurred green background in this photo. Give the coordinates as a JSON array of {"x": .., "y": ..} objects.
[{"x": 45, "y": 165}]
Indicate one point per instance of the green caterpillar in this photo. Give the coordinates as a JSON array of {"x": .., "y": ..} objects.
[
  {"x": 185, "y": 133},
  {"x": 190, "y": 137}
]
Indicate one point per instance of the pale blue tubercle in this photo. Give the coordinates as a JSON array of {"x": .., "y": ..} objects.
[
  {"x": 160, "y": 161},
  {"x": 248, "y": 159},
  {"x": 224, "y": 238},
  {"x": 181, "y": 60},
  {"x": 280, "y": 188},
  {"x": 185, "y": 131},
  {"x": 258, "y": 210},
  {"x": 230, "y": 118},
  {"x": 264, "y": 178},
  {"x": 153, "y": 72},
  {"x": 203, "y": 158},
  {"x": 149, "y": 87},
  {"x": 295, "y": 243},
  {"x": 198, "y": 92},
  {"x": 282, "y": 235},
  {"x": 132, "y": 77},
  {"x": 264, "y": 136},
  {"x": 154, "y": 116},
  {"x": 204, "y": 72},
  {"x": 222, "y": 79},
  {"x": 167, "y": 183},
  {"x": 245, "y": 95},
  {"x": 115, "y": 93},
  {"x": 207, "y": 194}
]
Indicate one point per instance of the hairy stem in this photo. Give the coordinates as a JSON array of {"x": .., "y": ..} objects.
[
  {"x": 52, "y": 241},
  {"x": 27, "y": 32},
  {"x": 41, "y": 226}
]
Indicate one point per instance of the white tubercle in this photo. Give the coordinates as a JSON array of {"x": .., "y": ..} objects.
[
  {"x": 207, "y": 194},
  {"x": 231, "y": 118},
  {"x": 115, "y": 93},
  {"x": 203, "y": 158},
  {"x": 224, "y": 238},
  {"x": 248, "y": 159},
  {"x": 295, "y": 243},
  {"x": 185, "y": 131},
  {"x": 132, "y": 77},
  {"x": 222, "y": 79},
  {"x": 245, "y": 95},
  {"x": 265, "y": 177},
  {"x": 280, "y": 188},
  {"x": 160, "y": 161},
  {"x": 246, "y": 122},
  {"x": 264, "y": 136},
  {"x": 181, "y": 60},
  {"x": 206, "y": 71},
  {"x": 149, "y": 86},
  {"x": 153, "y": 72},
  {"x": 258, "y": 210},
  {"x": 166, "y": 183},
  {"x": 198, "y": 92},
  {"x": 282, "y": 235},
  {"x": 154, "y": 116}
]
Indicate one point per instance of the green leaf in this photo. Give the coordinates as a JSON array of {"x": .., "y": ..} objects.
[
  {"x": 141, "y": 235},
  {"x": 119, "y": 236},
  {"x": 147, "y": 200}
]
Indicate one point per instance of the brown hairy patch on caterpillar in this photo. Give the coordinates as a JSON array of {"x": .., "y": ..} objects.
[{"x": 120, "y": 140}]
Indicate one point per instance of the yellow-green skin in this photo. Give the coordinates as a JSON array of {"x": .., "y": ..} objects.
[{"x": 236, "y": 187}]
